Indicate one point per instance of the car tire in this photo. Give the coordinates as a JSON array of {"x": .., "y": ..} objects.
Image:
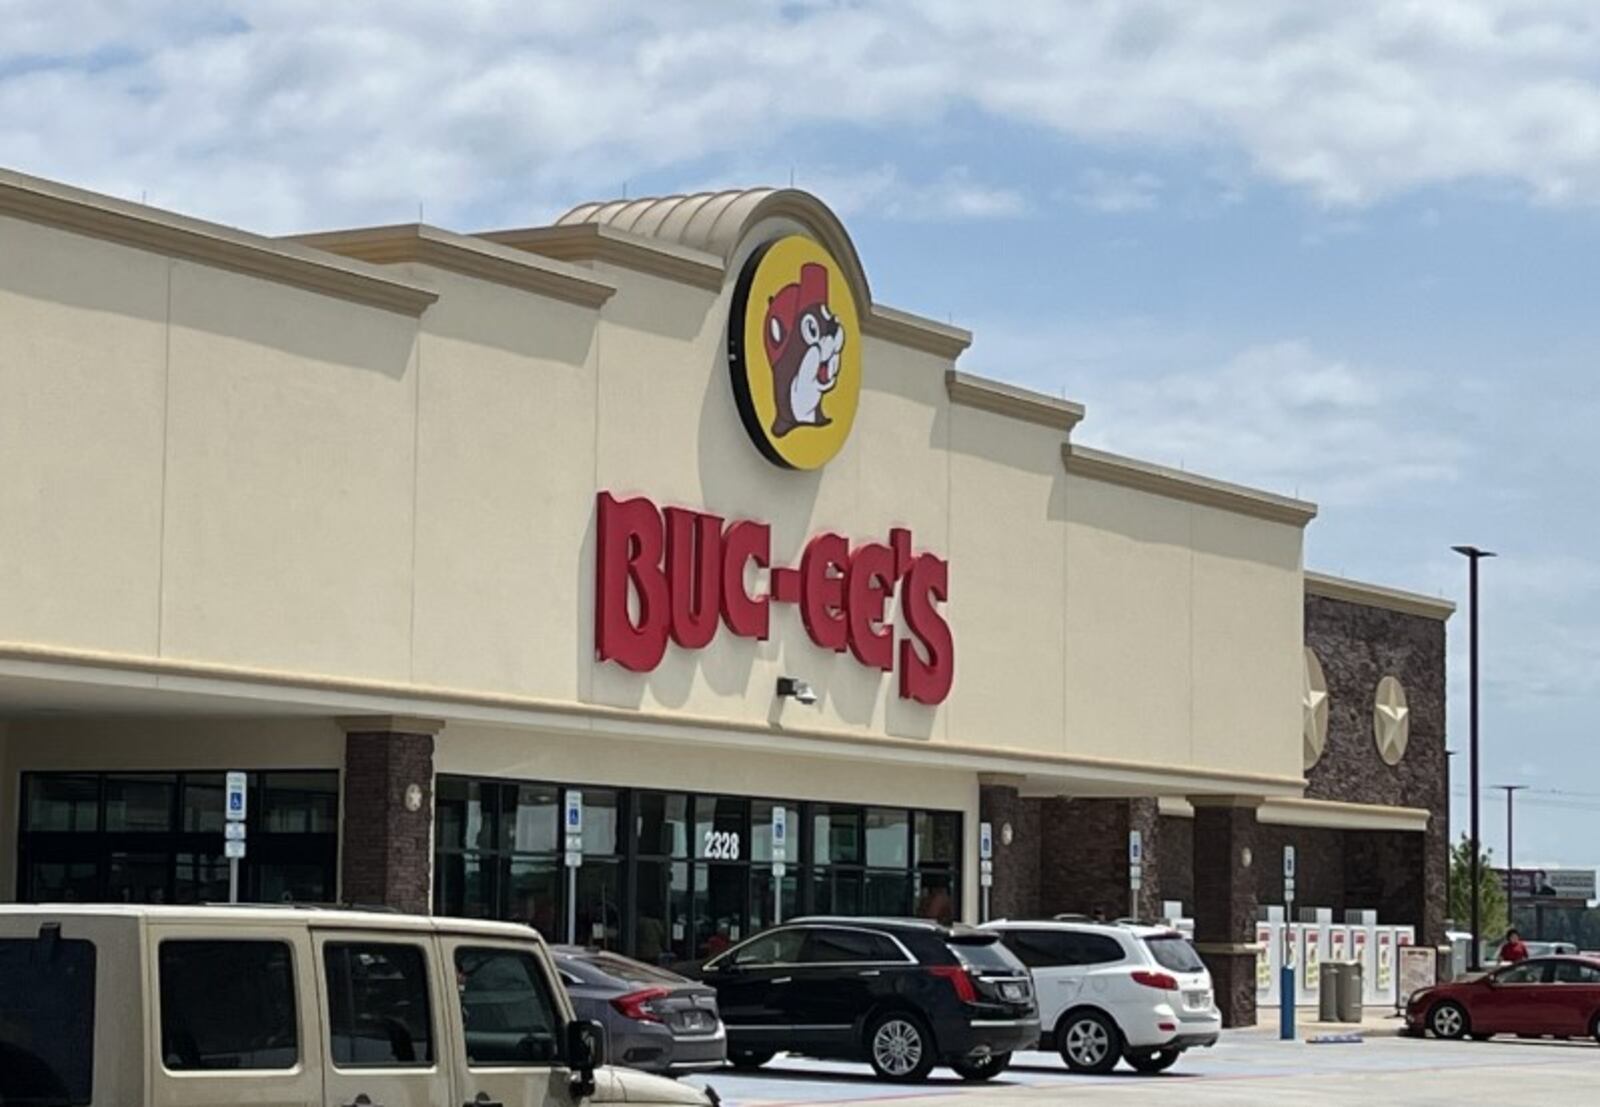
[
  {"x": 900, "y": 1047},
  {"x": 749, "y": 1058},
  {"x": 1594, "y": 1028},
  {"x": 1152, "y": 1061},
  {"x": 1089, "y": 1042},
  {"x": 986, "y": 1069},
  {"x": 1448, "y": 1020}
]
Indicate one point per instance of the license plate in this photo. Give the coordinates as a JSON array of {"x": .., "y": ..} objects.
[
  {"x": 1012, "y": 991},
  {"x": 695, "y": 1020},
  {"x": 1197, "y": 1001}
]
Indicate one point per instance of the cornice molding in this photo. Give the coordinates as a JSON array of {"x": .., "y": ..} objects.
[
  {"x": 598, "y": 242},
  {"x": 1323, "y": 814},
  {"x": 389, "y": 724},
  {"x": 1377, "y": 595},
  {"x": 1011, "y": 401},
  {"x": 919, "y": 333},
  {"x": 468, "y": 256},
  {"x": 102, "y": 217},
  {"x": 1179, "y": 485}
]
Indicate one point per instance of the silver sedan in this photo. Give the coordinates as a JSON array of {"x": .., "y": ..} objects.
[{"x": 655, "y": 1020}]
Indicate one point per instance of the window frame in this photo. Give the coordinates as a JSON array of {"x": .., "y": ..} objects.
[
  {"x": 336, "y": 940},
  {"x": 296, "y": 1021}
]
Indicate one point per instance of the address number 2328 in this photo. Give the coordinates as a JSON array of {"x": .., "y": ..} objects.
[{"x": 721, "y": 845}]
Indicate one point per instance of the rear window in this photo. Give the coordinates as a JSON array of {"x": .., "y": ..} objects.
[
  {"x": 1174, "y": 952},
  {"x": 46, "y": 1021},
  {"x": 634, "y": 972},
  {"x": 986, "y": 953}
]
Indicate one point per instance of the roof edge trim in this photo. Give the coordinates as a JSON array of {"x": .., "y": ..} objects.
[
  {"x": 916, "y": 331},
  {"x": 1377, "y": 595},
  {"x": 1012, "y": 402},
  {"x": 1179, "y": 485},
  {"x": 597, "y": 242},
  {"x": 468, "y": 256},
  {"x": 93, "y": 215}
]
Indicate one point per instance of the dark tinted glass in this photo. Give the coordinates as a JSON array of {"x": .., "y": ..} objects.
[
  {"x": 827, "y": 945},
  {"x": 1098, "y": 949},
  {"x": 58, "y": 802},
  {"x": 777, "y": 947},
  {"x": 300, "y": 803},
  {"x": 719, "y": 828},
  {"x": 634, "y": 972},
  {"x": 506, "y": 1008},
  {"x": 602, "y": 828},
  {"x": 661, "y": 823},
  {"x": 1576, "y": 972},
  {"x": 836, "y": 834},
  {"x": 141, "y": 803},
  {"x": 378, "y": 1010},
  {"x": 532, "y": 891},
  {"x": 227, "y": 1006},
  {"x": 1175, "y": 953},
  {"x": 1039, "y": 949},
  {"x": 202, "y": 803},
  {"x": 1529, "y": 972},
  {"x": 986, "y": 954},
  {"x": 938, "y": 838},
  {"x": 46, "y": 1022},
  {"x": 63, "y": 882}
]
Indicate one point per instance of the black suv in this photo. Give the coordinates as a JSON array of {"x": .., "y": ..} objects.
[{"x": 901, "y": 994}]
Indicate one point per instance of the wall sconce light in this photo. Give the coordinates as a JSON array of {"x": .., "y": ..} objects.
[{"x": 796, "y": 689}]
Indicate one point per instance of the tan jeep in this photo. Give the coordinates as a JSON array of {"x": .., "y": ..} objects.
[{"x": 114, "y": 1006}]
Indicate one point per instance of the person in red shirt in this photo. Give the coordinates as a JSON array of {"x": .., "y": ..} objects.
[{"x": 1514, "y": 950}]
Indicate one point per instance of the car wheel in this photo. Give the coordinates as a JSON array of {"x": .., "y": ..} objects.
[
  {"x": 1594, "y": 1028},
  {"x": 749, "y": 1058},
  {"x": 900, "y": 1048},
  {"x": 1089, "y": 1042},
  {"x": 1448, "y": 1020},
  {"x": 985, "y": 1069},
  {"x": 1159, "y": 1060}
]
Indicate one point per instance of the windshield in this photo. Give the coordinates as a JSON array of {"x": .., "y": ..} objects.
[
  {"x": 1173, "y": 951},
  {"x": 986, "y": 953},
  {"x": 46, "y": 1021}
]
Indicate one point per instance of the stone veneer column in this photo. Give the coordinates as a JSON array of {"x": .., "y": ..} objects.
[
  {"x": 1015, "y": 894},
  {"x": 1225, "y": 900},
  {"x": 386, "y": 831},
  {"x": 1084, "y": 856}
]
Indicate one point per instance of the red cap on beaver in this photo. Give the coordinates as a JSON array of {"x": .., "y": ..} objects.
[{"x": 791, "y": 302}]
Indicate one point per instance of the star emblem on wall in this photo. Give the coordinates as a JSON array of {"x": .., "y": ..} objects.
[
  {"x": 1313, "y": 710},
  {"x": 1391, "y": 720}
]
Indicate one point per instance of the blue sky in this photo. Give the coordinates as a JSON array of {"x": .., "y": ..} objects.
[{"x": 1344, "y": 251}]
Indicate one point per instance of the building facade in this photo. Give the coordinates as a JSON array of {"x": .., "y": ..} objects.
[{"x": 654, "y": 512}]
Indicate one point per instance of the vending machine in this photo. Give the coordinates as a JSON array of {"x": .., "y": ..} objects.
[
  {"x": 1385, "y": 966},
  {"x": 1268, "y": 962},
  {"x": 1311, "y": 934},
  {"x": 1364, "y": 950},
  {"x": 1338, "y": 943}
]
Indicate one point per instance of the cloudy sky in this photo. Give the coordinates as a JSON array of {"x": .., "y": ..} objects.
[{"x": 1345, "y": 251}]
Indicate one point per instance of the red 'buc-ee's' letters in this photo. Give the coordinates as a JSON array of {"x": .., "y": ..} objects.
[{"x": 688, "y": 571}]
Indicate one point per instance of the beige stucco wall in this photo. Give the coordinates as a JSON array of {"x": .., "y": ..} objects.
[{"x": 217, "y": 468}]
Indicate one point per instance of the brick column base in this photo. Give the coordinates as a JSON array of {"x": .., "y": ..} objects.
[
  {"x": 1225, "y": 900},
  {"x": 1233, "y": 979},
  {"x": 387, "y": 827}
]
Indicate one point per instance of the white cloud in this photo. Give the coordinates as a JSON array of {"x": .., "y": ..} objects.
[
  {"x": 293, "y": 113},
  {"x": 1111, "y": 192}
]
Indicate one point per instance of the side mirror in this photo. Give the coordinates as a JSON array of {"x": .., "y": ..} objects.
[{"x": 585, "y": 1052}]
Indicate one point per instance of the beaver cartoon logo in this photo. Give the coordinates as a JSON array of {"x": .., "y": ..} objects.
[{"x": 793, "y": 350}]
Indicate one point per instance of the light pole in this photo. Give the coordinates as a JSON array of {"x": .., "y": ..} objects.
[
  {"x": 1473, "y": 556},
  {"x": 1511, "y": 791}
]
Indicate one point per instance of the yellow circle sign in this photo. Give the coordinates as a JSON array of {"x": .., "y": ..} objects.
[{"x": 794, "y": 348}]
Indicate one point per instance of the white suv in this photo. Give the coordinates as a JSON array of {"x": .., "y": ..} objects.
[{"x": 1115, "y": 990}]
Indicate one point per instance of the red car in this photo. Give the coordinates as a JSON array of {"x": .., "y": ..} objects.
[{"x": 1559, "y": 996}]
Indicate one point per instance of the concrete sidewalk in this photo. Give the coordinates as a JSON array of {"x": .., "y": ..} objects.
[{"x": 1382, "y": 1022}]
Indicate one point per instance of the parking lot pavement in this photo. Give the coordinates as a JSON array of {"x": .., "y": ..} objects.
[{"x": 1246, "y": 1067}]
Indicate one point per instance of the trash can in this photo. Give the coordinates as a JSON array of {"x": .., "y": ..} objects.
[
  {"x": 1332, "y": 972},
  {"x": 1350, "y": 995}
]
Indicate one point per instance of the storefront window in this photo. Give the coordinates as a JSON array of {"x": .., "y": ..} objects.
[
  {"x": 157, "y": 837},
  {"x": 668, "y": 876}
]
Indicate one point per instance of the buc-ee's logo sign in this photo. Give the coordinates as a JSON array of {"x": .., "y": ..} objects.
[
  {"x": 794, "y": 350},
  {"x": 686, "y": 573}
]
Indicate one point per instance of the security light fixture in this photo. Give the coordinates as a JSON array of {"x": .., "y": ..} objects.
[{"x": 796, "y": 689}]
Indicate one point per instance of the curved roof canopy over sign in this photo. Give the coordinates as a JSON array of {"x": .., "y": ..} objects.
[{"x": 717, "y": 222}]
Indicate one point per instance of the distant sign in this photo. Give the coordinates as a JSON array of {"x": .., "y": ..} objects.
[
  {"x": 1419, "y": 969},
  {"x": 1135, "y": 847},
  {"x": 1570, "y": 884},
  {"x": 234, "y": 801},
  {"x": 985, "y": 841}
]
